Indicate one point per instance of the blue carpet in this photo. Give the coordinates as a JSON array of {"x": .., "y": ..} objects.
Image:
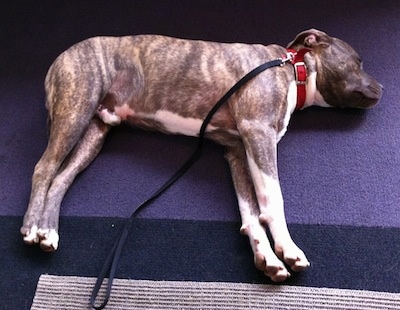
[{"x": 339, "y": 169}]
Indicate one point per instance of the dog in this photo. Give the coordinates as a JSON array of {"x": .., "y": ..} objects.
[{"x": 169, "y": 85}]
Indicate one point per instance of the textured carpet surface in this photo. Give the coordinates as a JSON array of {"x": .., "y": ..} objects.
[
  {"x": 60, "y": 292},
  {"x": 339, "y": 169}
]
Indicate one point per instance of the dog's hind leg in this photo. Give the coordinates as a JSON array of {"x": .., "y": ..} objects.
[
  {"x": 58, "y": 148},
  {"x": 70, "y": 111},
  {"x": 81, "y": 156}
]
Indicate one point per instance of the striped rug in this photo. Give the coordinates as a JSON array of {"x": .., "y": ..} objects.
[{"x": 72, "y": 292}]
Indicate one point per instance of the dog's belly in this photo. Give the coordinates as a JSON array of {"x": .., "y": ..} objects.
[
  {"x": 168, "y": 122},
  {"x": 176, "y": 124}
]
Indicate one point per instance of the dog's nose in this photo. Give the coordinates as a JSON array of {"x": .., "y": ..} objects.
[{"x": 374, "y": 90}]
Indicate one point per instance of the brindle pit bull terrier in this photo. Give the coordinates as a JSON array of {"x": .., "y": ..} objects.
[{"x": 169, "y": 85}]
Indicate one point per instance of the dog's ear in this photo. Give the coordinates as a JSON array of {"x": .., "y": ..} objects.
[{"x": 312, "y": 38}]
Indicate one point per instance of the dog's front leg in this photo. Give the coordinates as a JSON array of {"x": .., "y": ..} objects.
[
  {"x": 260, "y": 141},
  {"x": 264, "y": 257},
  {"x": 272, "y": 214}
]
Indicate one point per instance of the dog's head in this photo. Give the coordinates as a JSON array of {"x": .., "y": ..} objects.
[{"x": 340, "y": 78}]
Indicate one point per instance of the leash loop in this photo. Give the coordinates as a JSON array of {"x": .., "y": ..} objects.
[{"x": 110, "y": 264}]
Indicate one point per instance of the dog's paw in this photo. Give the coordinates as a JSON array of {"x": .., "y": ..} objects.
[
  {"x": 49, "y": 239},
  {"x": 264, "y": 257},
  {"x": 271, "y": 266},
  {"x": 292, "y": 256},
  {"x": 30, "y": 235}
]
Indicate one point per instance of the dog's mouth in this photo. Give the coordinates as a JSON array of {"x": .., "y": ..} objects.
[{"x": 369, "y": 96}]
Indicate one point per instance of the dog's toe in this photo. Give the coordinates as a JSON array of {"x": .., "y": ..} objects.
[
  {"x": 293, "y": 257},
  {"x": 30, "y": 234},
  {"x": 279, "y": 275},
  {"x": 300, "y": 265},
  {"x": 272, "y": 268},
  {"x": 49, "y": 239},
  {"x": 297, "y": 263}
]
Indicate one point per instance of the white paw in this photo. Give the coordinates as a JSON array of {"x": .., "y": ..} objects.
[
  {"x": 272, "y": 267},
  {"x": 292, "y": 256},
  {"x": 30, "y": 236},
  {"x": 264, "y": 257},
  {"x": 48, "y": 239}
]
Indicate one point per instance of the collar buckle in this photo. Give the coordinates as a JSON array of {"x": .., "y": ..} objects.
[{"x": 300, "y": 71}]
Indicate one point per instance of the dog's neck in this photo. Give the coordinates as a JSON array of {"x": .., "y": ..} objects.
[
  {"x": 313, "y": 96},
  {"x": 307, "y": 92}
]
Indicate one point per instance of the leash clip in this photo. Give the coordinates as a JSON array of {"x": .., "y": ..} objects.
[{"x": 290, "y": 56}]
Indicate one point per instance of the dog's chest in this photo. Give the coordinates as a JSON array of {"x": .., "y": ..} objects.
[{"x": 291, "y": 106}]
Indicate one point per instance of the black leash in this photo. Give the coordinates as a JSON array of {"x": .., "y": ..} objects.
[{"x": 111, "y": 262}]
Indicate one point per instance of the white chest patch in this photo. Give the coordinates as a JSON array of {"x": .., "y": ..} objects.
[{"x": 291, "y": 105}]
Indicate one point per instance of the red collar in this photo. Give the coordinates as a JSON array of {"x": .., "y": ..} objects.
[{"x": 300, "y": 72}]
